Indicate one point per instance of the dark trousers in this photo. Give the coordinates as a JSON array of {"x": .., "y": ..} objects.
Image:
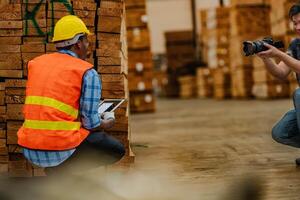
[
  {"x": 98, "y": 149},
  {"x": 286, "y": 131}
]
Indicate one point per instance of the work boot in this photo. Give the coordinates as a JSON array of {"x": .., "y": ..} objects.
[{"x": 297, "y": 162}]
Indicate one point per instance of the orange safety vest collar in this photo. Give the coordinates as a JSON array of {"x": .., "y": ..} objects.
[{"x": 51, "y": 107}]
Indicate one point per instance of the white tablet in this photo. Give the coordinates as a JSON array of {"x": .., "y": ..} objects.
[{"x": 109, "y": 105}]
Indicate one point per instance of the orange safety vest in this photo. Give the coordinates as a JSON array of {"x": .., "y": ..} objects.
[{"x": 53, "y": 93}]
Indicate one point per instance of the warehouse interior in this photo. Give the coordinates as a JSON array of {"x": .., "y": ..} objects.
[{"x": 198, "y": 116}]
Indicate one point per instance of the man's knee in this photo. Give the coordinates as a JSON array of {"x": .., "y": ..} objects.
[
  {"x": 120, "y": 152},
  {"x": 277, "y": 134},
  {"x": 297, "y": 95}
]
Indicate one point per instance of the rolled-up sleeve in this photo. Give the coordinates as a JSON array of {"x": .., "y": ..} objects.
[{"x": 89, "y": 100}]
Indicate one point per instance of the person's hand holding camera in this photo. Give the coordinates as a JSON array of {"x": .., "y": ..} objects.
[{"x": 270, "y": 53}]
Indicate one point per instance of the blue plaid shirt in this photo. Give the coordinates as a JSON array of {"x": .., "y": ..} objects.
[{"x": 89, "y": 102}]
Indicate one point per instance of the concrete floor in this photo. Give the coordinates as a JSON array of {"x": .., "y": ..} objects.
[
  {"x": 189, "y": 150},
  {"x": 207, "y": 148}
]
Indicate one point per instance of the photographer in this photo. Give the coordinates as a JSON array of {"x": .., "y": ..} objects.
[{"x": 287, "y": 131}]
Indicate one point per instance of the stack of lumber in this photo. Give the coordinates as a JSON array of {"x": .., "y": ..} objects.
[
  {"x": 204, "y": 81},
  {"x": 140, "y": 66},
  {"x": 180, "y": 52},
  {"x": 160, "y": 81},
  {"x": 26, "y": 31},
  {"x": 221, "y": 83},
  {"x": 250, "y": 20},
  {"x": 188, "y": 87},
  {"x": 215, "y": 29},
  {"x": 112, "y": 65},
  {"x": 86, "y": 10},
  {"x": 265, "y": 85}
]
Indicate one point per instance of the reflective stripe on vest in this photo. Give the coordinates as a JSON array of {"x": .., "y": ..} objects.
[
  {"x": 46, "y": 101},
  {"x": 52, "y": 125}
]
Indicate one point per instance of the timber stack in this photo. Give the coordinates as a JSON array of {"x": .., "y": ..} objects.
[
  {"x": 180, "y": 54},
  {"x": 140, "y": 65},
  {"x": 215, "y": 27},
  {"x": 250, "y": 20}
]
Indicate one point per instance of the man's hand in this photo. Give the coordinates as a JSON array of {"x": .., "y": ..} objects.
[
  {"x": 108, "y": 115},
  {"x": 271, "y": 52}
]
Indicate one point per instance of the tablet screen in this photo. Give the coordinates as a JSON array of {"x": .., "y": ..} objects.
[
  {"x": 109, "y": 105},
  {"x": 105, "y": 107}
]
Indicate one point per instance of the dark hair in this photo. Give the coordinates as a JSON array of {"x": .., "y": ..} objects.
[
  {"x": 69, "y": 47},
  {"x": 294, "y": 10}
]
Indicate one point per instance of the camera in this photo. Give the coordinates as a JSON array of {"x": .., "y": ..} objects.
[{"x": 253, "y": 47}]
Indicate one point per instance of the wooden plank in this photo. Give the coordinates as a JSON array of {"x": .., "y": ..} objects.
[
  {"x": 10, "y": 61},
  {"x": 14, "y": 99},
  {"x": 11, "y": 24},
  {"x": 11, "y": 32},
  {"x": 110, "y": 61},
  {"x": 10, "y": 40},
  {"x": 107, "y": 94},
  {"x": 111, "y": 8},
  {"x": 10, "y": 11},
  {"x": 33, "y": 40},
  {"x": 2, "y": 134},
  {"x": 109, "y": 69},
  {"x": 16, "y": 83},
  {"x": 33, "y": 48},
  {"x": 2, "y": 98},
  {"x": 42, "y": 23},
  {"x": 113, "y": 86},
  {"x": 10, "y": 48},
  {"x": 12, "y": 128},
  {"x": 3, "y": 148},
  {"x": 109, "y": 78},
  {"x": 83, "y": 5},
  {"x": 14, "y": 112},
  {"x": 109, "y": 37},
  {"x": 109, "y": 24},
  {"x": 15, "y": 91},
  {"x": 135, "y": 3},
  {"x": 2, "y": 109},
  {"x": 112, "y": 49},
  {"x": 11, "y": 73}
]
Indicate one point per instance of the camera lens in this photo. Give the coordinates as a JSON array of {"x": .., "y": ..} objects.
[{"x": 248, "y": 48}]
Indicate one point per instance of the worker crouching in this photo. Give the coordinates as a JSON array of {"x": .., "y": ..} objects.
[{"x": 62, "y": 128}]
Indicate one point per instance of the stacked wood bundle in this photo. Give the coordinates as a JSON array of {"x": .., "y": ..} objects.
[
  {"x": 249, "y": 21},
  {"x": 26, "y": 29},
  {"x": 215, "y": 29},
  {"x": 113, "y": 66},
  {"x": 140, "y": 65},
  {"x": 160, "y": 81},
  {"x": 265, "y": 85},
  {"x": 180, "y": 52},
  {"x": 221, "y": 83},
  {"x": 188, "y": 87},
  {"x": 204, "y": 80},
  {"x": 87, "y": 10}
]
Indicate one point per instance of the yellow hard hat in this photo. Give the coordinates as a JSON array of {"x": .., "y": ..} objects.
[{"x": 68, "y": 27}]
